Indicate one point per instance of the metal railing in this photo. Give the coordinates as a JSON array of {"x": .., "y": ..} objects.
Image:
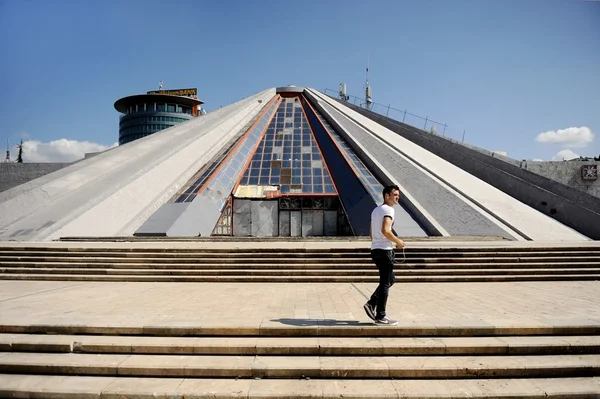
[{"x": 399, "y": 114}]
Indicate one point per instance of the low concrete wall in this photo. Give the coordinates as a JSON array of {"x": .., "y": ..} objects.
[
  {"x": 569, "y": 206},
  {"x": 14, "y": 174},
  {"x": 566, "y": 172}
]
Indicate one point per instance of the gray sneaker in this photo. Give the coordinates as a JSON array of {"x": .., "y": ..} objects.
[
  {"x": 386, "y": 321},
  {"x": 369, "y": 310}
]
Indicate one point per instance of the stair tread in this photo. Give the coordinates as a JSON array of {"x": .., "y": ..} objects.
[
  {"x": 296, "y": 345},
  {"x": 178, "y": 388},
  {"x": 295, "y": 366}
]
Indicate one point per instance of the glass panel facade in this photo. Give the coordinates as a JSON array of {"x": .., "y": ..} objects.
[
  {"x": 217, "y": 180},
  {"x": 288, "y": 155},
  {"x": 356, "y": 199}
]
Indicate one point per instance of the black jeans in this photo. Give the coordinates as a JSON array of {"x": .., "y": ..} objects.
[{"x": 384, "y": 259}]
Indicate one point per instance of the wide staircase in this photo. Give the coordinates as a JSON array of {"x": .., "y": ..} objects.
[
  {"x": 296, "y": 265},
  {"x": 299, "y": 358}
]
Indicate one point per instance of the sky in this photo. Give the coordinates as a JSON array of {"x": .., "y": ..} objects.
[{"x": 521, "y": 77}]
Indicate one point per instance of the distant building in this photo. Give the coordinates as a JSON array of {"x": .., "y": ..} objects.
[{"x": 145, "y": 114}]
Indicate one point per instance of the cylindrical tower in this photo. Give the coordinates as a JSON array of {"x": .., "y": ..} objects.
[{"x": 144, "y": 114}]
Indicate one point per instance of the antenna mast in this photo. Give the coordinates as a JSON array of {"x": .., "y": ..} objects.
[{"x": 368, "y": 98}]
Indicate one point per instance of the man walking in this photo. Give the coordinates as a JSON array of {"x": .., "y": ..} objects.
[{"x": 383, "y": 242}]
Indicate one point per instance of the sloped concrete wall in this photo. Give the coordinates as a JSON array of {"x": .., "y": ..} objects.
[
  {"x": 491, "y": 201},
  {"x": 573, "y": 208},
  {"x": 113, "y": 193}
]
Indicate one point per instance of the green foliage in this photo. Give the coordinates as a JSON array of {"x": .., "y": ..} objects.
[{"x": 20, "y": 156}]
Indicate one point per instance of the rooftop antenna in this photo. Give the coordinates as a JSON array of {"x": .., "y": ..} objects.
[
  {"x": 368, "y": 98},
  {"x": 342, "y": 93},
  {"x": 7, "y": 151},
  {"x": 160, "y": 85}
]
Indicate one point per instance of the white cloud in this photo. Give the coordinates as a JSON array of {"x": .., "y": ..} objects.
[
  {"x": 62, "y": 150},
  {"x": 571, "y": 137},
  {"x": 564, "y": 155}
]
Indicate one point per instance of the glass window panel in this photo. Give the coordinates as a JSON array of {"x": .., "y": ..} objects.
[
  {"x": 170, "y": 107},
  {"x": 275, "y": 171},
  {"x": 317, "y": 180},
  {"x": 253, "y": 181},
  {"x": 274, "y": 179},
  {"x": 286, "y": 163},
  {"x": 306, "y": 180},
  {"x": 254, "y": 172},
  {"x": 263, "y": 180},
  {"x": 161, "y": 107},
  {"x": 318, "y": 188},
  {"x": 306, "y": 171},
  {"x": 307, "y": 188},
  {"x": 285, "y": 188},
  {"x": 329, "y": 188},
  {"x": 306, "y": 164},
  {"x": 296, "y": 172},
  {"x": 317, "y": 171},
  {"x": 296, "y": 180}
]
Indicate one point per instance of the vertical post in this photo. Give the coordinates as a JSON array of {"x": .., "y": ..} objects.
[
  {"x": 425, "y": 127},
  {"x": 404, "y": 117},
  {"x": 444, "y": 132},
  {"x": 463, "y": 139},
  {"x": 388, "y": 111}
]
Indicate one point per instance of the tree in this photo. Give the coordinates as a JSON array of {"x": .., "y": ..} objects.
[{"x": 20, "y": 156}]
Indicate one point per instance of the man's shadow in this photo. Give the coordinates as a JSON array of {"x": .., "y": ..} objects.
[{"x": 322, "y": 322}]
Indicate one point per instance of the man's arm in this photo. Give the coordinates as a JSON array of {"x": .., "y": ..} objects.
[{"x": 386, "y": 230}]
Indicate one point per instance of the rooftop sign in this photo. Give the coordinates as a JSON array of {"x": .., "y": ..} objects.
[{"x": 176, "y": 92}]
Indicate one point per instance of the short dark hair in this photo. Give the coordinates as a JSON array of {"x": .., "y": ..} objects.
[{"x": 389, "y": 188}]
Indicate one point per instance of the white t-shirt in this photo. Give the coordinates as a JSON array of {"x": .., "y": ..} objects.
[{"x": 379, "y": 241}]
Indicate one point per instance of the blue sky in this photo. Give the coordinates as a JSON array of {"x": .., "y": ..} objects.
[{"x": 504, "y": 71}]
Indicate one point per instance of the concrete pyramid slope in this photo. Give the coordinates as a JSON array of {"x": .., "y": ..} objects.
[
  {"x": 226, "y": 174},
  {"x": 467, "y": 196},
  {"x": 114, "y": 192}
]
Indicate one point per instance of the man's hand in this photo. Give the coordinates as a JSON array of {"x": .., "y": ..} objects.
[{"x": 400, "y": 243}]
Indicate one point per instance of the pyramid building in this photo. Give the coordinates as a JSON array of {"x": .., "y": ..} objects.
[{"x": 284, "y": 162}]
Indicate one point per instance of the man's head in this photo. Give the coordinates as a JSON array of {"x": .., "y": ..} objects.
[{"x": 391, "y": 194}]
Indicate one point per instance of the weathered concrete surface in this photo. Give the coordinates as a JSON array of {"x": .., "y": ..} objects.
[{"x": 115, "y": 192}]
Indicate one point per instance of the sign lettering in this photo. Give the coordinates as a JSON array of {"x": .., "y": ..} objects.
[{"x": 177, "y": 92}]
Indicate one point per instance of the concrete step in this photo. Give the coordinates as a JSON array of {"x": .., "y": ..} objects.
[
  {"x": 295, "y": 272},
  {"x": 298, "y": 266},
  {"x": 307, "y": 346},
  {"x": 301, "y": 279},
  {"x": 270, "y": 259},
  {"x": 48, "y": 386},
  {"x": 120, "y": 249},
  {"x": 301, "y": 328},
  {"x": 264, "y": 366}
]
